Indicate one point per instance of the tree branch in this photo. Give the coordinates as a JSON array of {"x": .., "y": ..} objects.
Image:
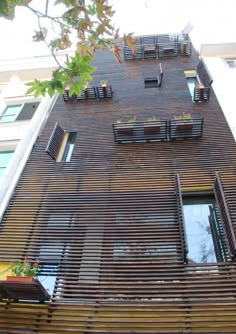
[{"x": 51, "y": 51}]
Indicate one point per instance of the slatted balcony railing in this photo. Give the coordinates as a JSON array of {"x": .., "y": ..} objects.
[
  {"x": 17, "y": 290},
  {"x": 183, "y": 128},
  {"x": 201, "y": 94},
  {"x": 166, "y": 45},
  {"x": 125, "y": 132},
  {"x": 202, "y": 89},
  {"x": 93, "y": 93},
  {"x": 140, "y": 131}
]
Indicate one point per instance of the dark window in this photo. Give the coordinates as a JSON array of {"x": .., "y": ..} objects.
[
  {"x": 67, "y": 152},
  {"x": 151, "y": 82},
  {"x": 231, "y": 63},
  {"x": 27, "y": 111},
  {"x": 18, "y": 112},
  {"x": 204, "y": 230}
]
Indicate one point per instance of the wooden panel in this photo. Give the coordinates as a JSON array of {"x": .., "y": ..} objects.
[{"x": 55, "y": 141}]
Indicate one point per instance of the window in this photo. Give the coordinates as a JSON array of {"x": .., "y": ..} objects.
[
  {"x": 231, "y": 63},
  {"x": 10, "y": 113},
  {"x": 191, "y": 78},
  {"x": 5, "y": 157},
  {"x": 18, "y": 112},
  {"x": 61, "y": 144},
  {"x": 69, "y": 146},
  {"x": 47, "y": 277},
  {"x": 204, "y": 230}
]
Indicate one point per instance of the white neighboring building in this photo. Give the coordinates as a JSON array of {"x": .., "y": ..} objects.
[
  {"x": 21, "y": 118},
  {"x": 218, "y": 49}
]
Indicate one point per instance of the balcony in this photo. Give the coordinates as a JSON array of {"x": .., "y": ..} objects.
[
  {"x": 182, "y": 129},
  {"x": 161, "y": 130},
  {"x": 166, "y": 45},
  {"x": 92, "y": 93},
  {"x": 17, "y": 290}
]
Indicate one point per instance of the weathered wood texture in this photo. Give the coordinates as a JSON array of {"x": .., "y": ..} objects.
[{"x": 115, "y": 230}]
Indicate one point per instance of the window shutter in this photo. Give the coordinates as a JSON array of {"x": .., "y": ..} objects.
[
  {"x": 203, "y": 74},
  {"x": 181, "y": 220},
  {"x": 55, "y": 141},
  {"x": 225, "y": 216}
]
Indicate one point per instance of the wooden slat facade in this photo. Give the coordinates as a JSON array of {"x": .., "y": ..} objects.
[{"x": 110, "y": 219}]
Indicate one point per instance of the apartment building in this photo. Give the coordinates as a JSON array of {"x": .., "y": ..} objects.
[
  {"x": 128, "y": 202},
  {"x": 21, "y": 118}
]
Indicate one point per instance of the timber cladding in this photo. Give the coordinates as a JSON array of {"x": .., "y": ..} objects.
[{"x": 108, "y": 219}]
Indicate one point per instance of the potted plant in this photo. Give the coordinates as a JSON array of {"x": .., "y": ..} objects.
[
  {"x": 152, "y": 125},
  {"x": 126, "y": 129},
  {"x": 24, "y": 271},
  {"x": 184, "y": 122},
  {"x": 103, "y": 83}
]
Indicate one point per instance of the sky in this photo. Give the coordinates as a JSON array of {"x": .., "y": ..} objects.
[{"x": 211, "y": 17}]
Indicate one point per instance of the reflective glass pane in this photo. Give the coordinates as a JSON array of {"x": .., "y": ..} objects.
[
  {"x": 5, "y": 158},
  {"x": 10, "y": 113},
  {"x": 205, "y": 237}
]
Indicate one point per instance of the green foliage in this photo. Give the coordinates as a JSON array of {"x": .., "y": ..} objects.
[
  {"x": 89, "y": 20},
  {"x": 26, "y": 268},
  {"x": 7, "y": 7},
  {"x": 75, "y": 74}
]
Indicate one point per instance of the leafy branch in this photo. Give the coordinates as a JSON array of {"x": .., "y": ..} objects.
[{"x": 84, "y": 25}]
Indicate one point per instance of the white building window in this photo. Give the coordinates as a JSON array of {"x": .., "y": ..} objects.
[
  {"x": 18, "y": 112},
  {"x": 231, "y": 62},
  {"x": 5, "y": 157}
]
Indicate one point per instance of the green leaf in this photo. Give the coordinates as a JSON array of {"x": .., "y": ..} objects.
[
  {"x": 76, "y": 87},
  {"x": 7, "y": 7}
]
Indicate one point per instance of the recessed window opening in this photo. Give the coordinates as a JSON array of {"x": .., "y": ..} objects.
[
  {"x": 18, "y": 112},
  {"x": 151, "y": 82},
  {"x": 231, "y": 63},
  {"x": 192, "y": 80},
  {"x": 204, "y": 231},
  {"x": 70, "y": 143}
]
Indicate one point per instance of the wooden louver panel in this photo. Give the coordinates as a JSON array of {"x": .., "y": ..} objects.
[
  {"x": 181, "y": 219},
  {"x": 55, "y": 141},
  {"x": 203, "y": 74},
  {"x": 225, "y": 216}
]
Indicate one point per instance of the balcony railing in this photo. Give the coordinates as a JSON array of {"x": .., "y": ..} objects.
[
  {"x": 180, "y": 128},
  {"x": 167, "y": 45},
  {"x": 140, "y": 131},
  {"x": 13, "y": 290},
  {"x": 160, "y": 130},
  {"x": 93, "y": 93}
]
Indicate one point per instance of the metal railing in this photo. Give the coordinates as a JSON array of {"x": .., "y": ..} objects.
[
  {"x": 93, "y": 93},
  {"x": 161, "y": 130},
  {"x": 166, "y": 45}
]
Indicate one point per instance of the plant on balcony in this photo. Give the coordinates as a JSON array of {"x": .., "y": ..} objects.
[
  {"x": 103, "y": 83},
  {"x": 184, "y": 121},
  {"x": 126, "y": 128},
  {"x": 184, "y": 116},
  {"x": 25, "y": 268},
  {"x": 152, "y": 125},
  {"x": 132, "y": 120}
]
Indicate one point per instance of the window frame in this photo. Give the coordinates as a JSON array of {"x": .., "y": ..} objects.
[
  {"x": 195, "y": 198},
  {"x": 228, "y": 60},
  {"x": 5, "y": 165},
  {"x": 18, "y": 113},
  {"x": 2, "y": 115}
]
